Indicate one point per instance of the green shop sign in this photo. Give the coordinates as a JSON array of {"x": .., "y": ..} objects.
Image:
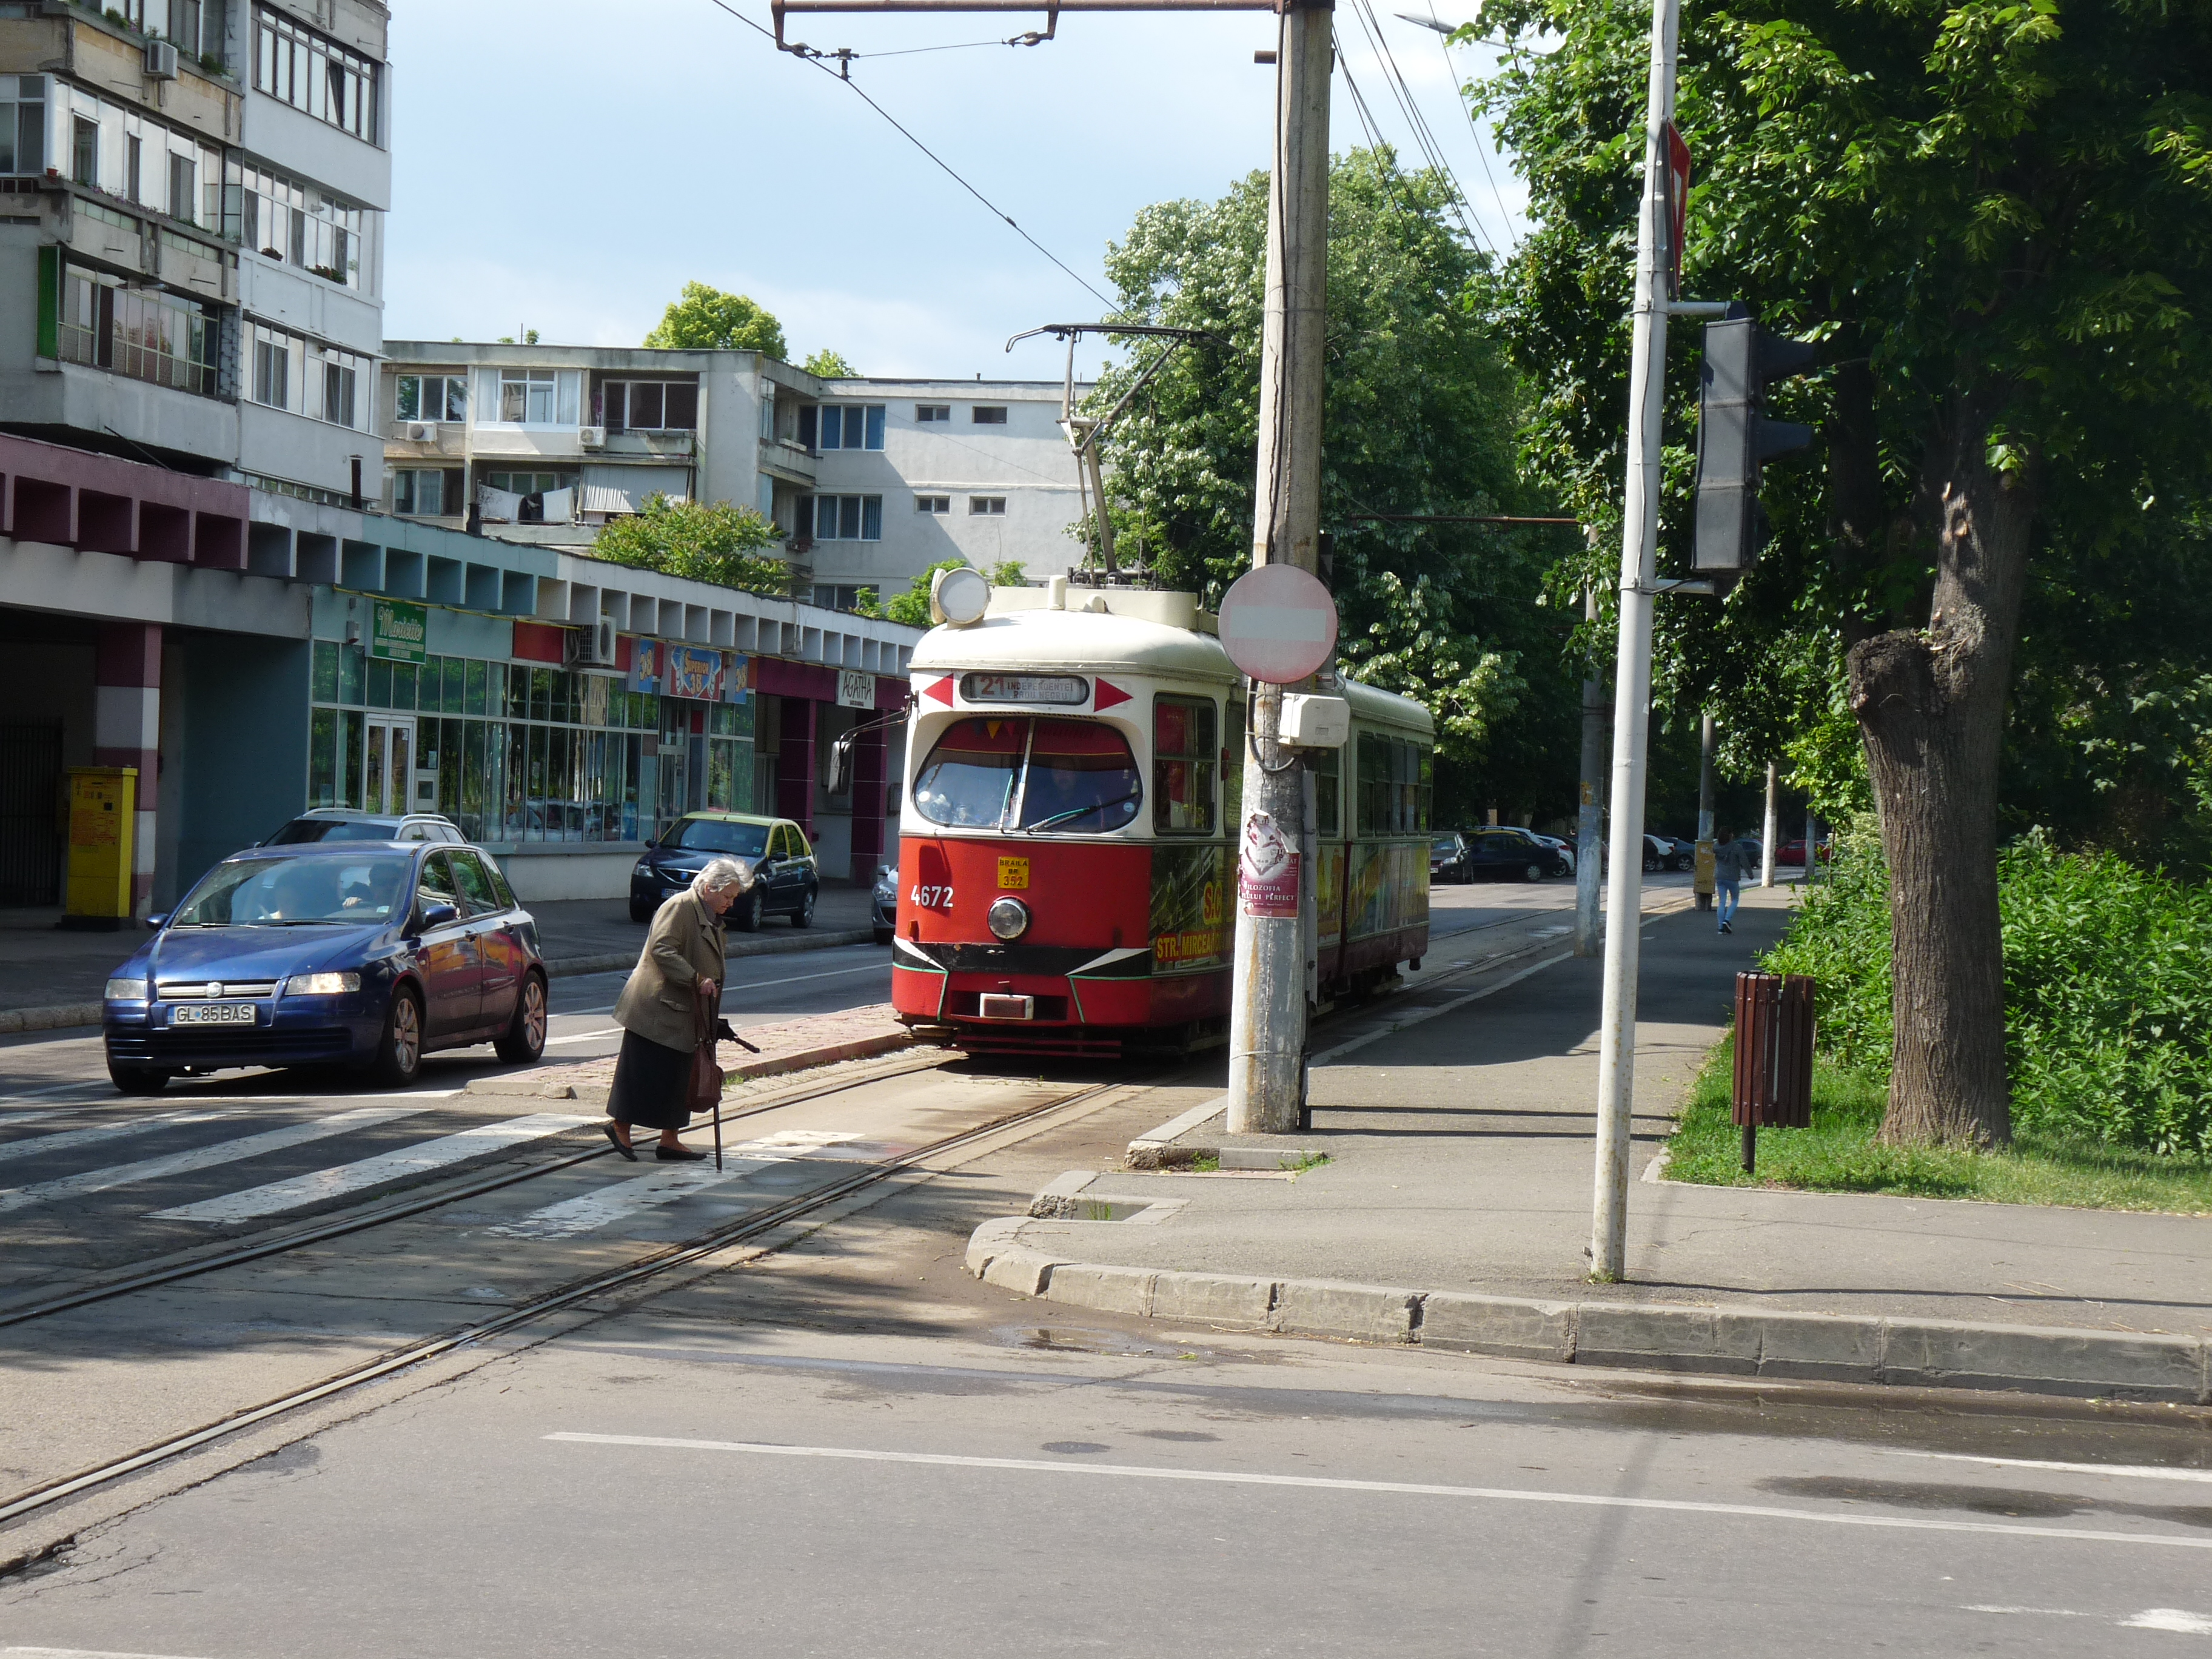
[{"x": 397, "y": 631}]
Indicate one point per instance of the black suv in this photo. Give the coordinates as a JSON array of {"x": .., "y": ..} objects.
[{"x": 786, "y": 879}]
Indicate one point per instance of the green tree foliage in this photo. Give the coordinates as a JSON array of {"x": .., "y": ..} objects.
[
  {"x": 1419, "y": 417},
  {"x": 706, "y": 318},
  {"x": 911, "y": 607},
  {"x": 2108, "y": 1016},
  {"x": 717, "y": 544},
  {"x": 829, "y": 366}
]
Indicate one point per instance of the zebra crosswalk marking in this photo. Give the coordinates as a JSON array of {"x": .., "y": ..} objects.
[
  {"x": 624, "y": 1199},
  {"x": 39, "y": 1146},
  {"x": 344, "y": 1179},
  {"x": 200, "y": 1158}
]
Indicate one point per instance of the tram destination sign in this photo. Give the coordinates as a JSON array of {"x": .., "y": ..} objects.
[{"x": 1278, "y": 623}]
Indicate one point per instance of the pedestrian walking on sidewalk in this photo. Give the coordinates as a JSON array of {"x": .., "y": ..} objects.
[
  {"x": 1730, "y": 860},
  {"x": 658, "y": 1011}
]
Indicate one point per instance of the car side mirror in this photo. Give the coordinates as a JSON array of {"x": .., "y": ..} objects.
[
  {"x": 156, "y": 923},
  {"x": 437, "y": 915}
]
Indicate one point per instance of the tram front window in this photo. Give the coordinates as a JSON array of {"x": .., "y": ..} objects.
[{"x": 1073, "y": 777}]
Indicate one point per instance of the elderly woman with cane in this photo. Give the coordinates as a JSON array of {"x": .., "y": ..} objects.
[{"x": 683, "y": 958}]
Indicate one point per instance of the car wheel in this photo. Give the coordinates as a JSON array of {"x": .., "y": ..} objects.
[
  {"x": 139, "y": 1079},
  {"x": 398, "y": 1059},
  {"x": 746, "y": 915},
  {"x": 803, "y": 915},
  {"x": 885, "y": 935},
  {"x": 523, "y": 1043},
  {"x": 1532, "y": 873},
  {"x": 1651, "y": 866},
  {"x": 640, "y": 911}
]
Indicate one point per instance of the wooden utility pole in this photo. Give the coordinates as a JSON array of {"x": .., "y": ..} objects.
[{"x": 1267, "y": 1004}]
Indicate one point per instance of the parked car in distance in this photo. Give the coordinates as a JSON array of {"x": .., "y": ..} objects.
[
  {"x": 786, "y": 879},
  {"x": 1451, "y": 858},
  {"x": 883, "y": 904},
  {"x": 343, "y": 823},
  {"x": 333, "y": 952},
  {"x": 1793, "y": 851},
  {"x": 1509, "y": 854},
  {"x": 1565, "y": 849}
]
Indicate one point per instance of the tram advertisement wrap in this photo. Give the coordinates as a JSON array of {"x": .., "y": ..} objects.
[
  {"x": 1328, "y": 895},
  {"x": 1389, "y": 888},
  {"x": 1190, "y": 921}
]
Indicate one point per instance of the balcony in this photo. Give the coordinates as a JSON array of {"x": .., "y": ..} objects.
[{"x": 794, "y": 462}]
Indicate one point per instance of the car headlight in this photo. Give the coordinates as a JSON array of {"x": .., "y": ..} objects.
[
  {"x": 1009, "y": 918},
  {"x": 321, "y": 984},
  {"x": 126, "y": 990}
]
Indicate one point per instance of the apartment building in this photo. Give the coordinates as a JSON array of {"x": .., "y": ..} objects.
[
  {"x": 191, "y": 202},
  {"x": 870, "y": 481}
]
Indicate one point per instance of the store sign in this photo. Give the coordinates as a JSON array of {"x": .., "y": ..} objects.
[
  {"x": 397, "y": 631},
  {"x": 644, "y": 667},
  {"x": 855, "y": 689},
  {"x": 687, "y": 671}
]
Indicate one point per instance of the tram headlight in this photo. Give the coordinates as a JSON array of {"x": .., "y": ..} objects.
[{"x": 1009, "y": 919}]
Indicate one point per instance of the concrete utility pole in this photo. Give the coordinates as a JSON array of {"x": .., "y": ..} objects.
[
  {"x": 1590, "y": 860},
  {"x": 1631, "y": 707},
  {"x": 1773, "y": 823},
  {"x": 1267, "y": 1004}
]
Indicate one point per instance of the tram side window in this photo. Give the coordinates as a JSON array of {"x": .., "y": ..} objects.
[
  {"x": 1185, "y": 755},
  {"x": 1081, "y": 779},
  {"x": 1325, "y": 764},
  {"x": 1426, "y": 791},
  {"x": 1233, "y": 763},
  {"x": 969, "y": 778},
  {"x": 1372, "y": 802}
]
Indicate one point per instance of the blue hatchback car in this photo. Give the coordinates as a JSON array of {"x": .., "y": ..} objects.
[{"x": 349, "y": 953}]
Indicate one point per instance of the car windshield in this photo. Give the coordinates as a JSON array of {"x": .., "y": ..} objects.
[
  {"x": 743, "y": 840},
  {"x": 298, "y": 891},
  {"x": 1074, "y": 776},
  {"x": 311, "y": 830},
  {"x": 1445, "y": 844}
]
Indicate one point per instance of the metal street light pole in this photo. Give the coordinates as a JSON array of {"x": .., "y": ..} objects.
[
  {"x": 1616, "y": 1087},
  {"x": 1267, "y": 996},
  {"x": 1589, "y": 862}
]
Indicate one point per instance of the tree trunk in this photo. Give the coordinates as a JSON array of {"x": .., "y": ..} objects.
[{"x": 1930, "y": 707}]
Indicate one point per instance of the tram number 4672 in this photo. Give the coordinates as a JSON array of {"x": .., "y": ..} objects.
[{"x": 933, "y": 898}]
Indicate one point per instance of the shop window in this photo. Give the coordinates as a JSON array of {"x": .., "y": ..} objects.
[{"x": 1185, "y": 756}]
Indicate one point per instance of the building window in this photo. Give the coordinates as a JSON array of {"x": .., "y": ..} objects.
[
  {"x": 185, "y": 27},
  {"x": 848, "y": 517},
  {"x": 300, "y": 68},
  {"x": 84, "y": 155},
  {"x": 22, "y": 123},
  {"x": 523, "y": 497},
  {"x": 990, "y": 414},
  {"x": 986, "y": 507},
  {"x": 1184, "y": 756},
  {"x": 183, "y": 187},
  {"x": 419, "y": 493},
  {"x": 851, "y": 425},
  {"x": 432, "y": 398},
  {"x": 134, "y": 168},
  {"x": 925, "y": 414},
  {"x": 341, "y": 381},
  {"x": 648, "y": 406},
  {"x": 282, "y": 220},
  {"x": 939, "y": 504},
  {"x": 168, "y": 339},
  {"x": 538, "y": 397},
  {"x": 839, "y": 596},
  {"x": 272, "y": 373}
]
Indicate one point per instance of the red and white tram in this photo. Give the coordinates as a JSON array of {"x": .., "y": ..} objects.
[{"x": 1066, "y": 854}]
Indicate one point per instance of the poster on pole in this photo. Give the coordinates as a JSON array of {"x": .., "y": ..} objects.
[{"x": 1267, "y": 870}]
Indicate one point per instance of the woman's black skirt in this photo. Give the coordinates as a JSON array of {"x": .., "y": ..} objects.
[{"x": 650, "y": 1084}]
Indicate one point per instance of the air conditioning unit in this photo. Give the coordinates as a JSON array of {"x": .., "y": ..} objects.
[
  {"x": 592, "y": 646},
  {"x": 422, "y": 432},
  {"x": 162, "y": 60},
  {"x": 593, "y": 437}
]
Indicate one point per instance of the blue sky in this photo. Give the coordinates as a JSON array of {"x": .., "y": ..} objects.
[{"x": 555, "y": 172}]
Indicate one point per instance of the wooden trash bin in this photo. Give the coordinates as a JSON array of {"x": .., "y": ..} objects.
[{"x": 1773, "y": 1055}]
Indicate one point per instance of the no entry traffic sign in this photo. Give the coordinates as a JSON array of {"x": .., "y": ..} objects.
[{"x": 1277, "y": 624}]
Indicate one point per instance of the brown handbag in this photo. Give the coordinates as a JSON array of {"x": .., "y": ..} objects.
[{"x": 702, "y": 1090}]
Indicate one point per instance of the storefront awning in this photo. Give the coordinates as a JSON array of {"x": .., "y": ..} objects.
[{"x": 624, "y": 488}]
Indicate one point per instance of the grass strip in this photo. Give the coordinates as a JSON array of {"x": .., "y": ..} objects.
[{"x": 1840, "y": 1153}]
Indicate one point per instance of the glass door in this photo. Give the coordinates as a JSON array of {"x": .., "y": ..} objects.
[{"x": 387, "y": 771}]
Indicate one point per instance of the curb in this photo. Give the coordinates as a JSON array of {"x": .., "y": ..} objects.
[
  {"x": 1746, "y": 1341},
  {"x": 798, "y": 1059},
  {"x": 65, "y": 1015}
]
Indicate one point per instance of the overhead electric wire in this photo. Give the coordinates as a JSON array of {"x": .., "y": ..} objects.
[
  {"x": 946, "y": 166},
  {"x": 1424, "y": 139},
  {"x": 1481, "y": 155}
]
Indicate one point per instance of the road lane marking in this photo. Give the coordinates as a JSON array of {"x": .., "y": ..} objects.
[
  {"x": 199, "y": 1158},
  {"x": 75, "y": 1653},
  {"x": 1404, "y": 1488},
  {"x": 2133, "y": 1471},
  {"x": 2179, "y": 1619},
  {"x": 343, "y": 1179},
  {"x": 624, "y": 1199},
  {"x": 39, "y": 1146}
]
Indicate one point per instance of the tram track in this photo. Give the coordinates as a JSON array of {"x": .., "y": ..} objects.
[{"x": 737, "y": 1232}]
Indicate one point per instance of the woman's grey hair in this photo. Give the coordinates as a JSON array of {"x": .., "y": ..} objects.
[{"x": 718, "y": 874}]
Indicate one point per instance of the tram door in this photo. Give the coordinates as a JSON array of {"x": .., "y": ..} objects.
[{"x": 388, "y": 766}]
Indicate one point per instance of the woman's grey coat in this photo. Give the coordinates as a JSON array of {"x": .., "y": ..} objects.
[{"x": 686, "y": 943}]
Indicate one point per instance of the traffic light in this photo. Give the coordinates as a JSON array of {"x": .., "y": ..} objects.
[{"x": 1734, "y": 436}]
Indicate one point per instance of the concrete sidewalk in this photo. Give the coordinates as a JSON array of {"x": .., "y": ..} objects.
[
  {"x": 1455, "y": 1210},
  {"x": 50, "y": 979}
]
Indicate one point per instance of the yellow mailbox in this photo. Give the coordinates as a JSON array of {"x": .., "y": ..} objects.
[{"x": 102, "y": 824}]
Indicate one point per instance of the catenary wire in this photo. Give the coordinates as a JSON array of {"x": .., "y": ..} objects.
[
  {"x": 1424, "y": 139},
  {"x": 950, "y": 173},
  {"x": 1481, "y": 153}
]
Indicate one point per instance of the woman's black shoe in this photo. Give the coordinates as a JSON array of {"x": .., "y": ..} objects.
[
  {"x": 668, "y": 1154},
  {"x": 616, "y": 1140}
]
